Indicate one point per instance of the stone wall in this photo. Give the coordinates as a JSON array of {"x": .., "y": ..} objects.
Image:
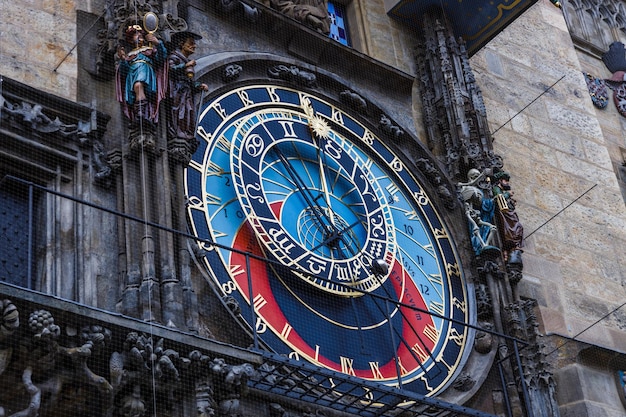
[
  {"x": 562, "y": 155},
  {"x": 36, "y": 37},
  {"x": 556, "y": 151},
  {"x": 386, "y": 40}
]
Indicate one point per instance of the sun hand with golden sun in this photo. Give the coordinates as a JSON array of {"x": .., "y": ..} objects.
[{"x": 319, "y": 127}]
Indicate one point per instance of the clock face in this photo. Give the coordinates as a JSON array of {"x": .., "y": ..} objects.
[{"x": 333, "y": 250}]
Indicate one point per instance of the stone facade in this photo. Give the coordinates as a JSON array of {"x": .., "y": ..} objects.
[
  {"x": 36, "y": 42},
  {"x": 560, "y": 150},
  {"x": 565, "y": 156}
]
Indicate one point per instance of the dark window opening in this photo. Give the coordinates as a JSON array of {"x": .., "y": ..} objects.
[{"x": 17, "y": 202}]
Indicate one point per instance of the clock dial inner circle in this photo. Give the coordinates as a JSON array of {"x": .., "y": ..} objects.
[{"x": 313, "y": 204}]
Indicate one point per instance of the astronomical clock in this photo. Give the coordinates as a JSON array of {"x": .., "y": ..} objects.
[{"x": 321, "y": 231}]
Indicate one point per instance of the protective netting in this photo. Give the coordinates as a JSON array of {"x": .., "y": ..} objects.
[{"x": 187, "y": 229}]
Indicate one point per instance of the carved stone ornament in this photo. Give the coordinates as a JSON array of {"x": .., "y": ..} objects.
[
  {"x": 484, "y": 303},
  {"x": 277, "y": 410},
  {"x": 435, "y": 177},
  {"x": 230, "y": 384},
  {"x": 250, "y": 13},
  {"x": 353, "y": 100},
  {"x": 54, "y": 368},
  {"x": 231, "y": 72},
  {"x": 9, "y": 319},
  {"x": 617, "y": 83},
  {"x": 389, "y": 128},
  {"x": 464, "y": 382},
  {"x": 180, "y": 150},
  {"x": 536, "y": 369},
  {"x": 312, "y": 13},
  {"x": 103, "y": 171},
  {"x": 232, "y": 304},
  {"x": 55, "y": 122},
  {"x": 292, "y": 74},
  {"x": 454, "y": 113},
  {"x": 33, "y": 117},
  {"x": 483, "y": 343},
  {"x": 597, "y": 90}
]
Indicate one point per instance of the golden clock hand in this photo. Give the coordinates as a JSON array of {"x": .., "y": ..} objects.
[
  {"x": 320, "y": 214},
  {"x": 324, "y": 184},
  {"x": 320, "y": 130}
]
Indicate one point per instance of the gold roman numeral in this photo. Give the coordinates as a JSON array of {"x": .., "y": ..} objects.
[
  {"x": 420, "y": 352},
  {"x": 455, "y": 336},
  {"x": 223, "y": 144},
  {"x": 431, "y": 333},
  {"x": 436, "y": 307},
  {"x": 375, "y": 367},
  {"x": 259, "y": 302},
  {"x": 236, "y": 270},
  {"x": 347, "y": 365},
  {"x": 286, "y": 331},
  {"x": 212, "y": 199},
  {"x": 204, "y": 134}
]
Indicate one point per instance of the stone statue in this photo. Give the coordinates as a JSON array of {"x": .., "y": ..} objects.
[
  {"x": 205, "y": 404},
  {"x": 510, "y": 229},
  {"x": 133, "y": 405},
  {"x": 313, "y": 13},
  {"x": 141, "y": 78},
  {"x": 479, "y": 210},
  {"x": 182, "y": 87},
  {"x": 230, "y": 384},
  {"x": 9, "y": 319}
]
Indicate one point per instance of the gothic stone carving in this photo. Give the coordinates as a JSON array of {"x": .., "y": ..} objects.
[
  {"x": 292, "y": 74},
  {"x": 389, "y": 128},
  {"x": 230, "y": 384},
  {"x": 231, "y": 73},
  {"x": 32, "y": 117},
  {"x": 353, "y": 100},
  {"x": 48, "y": 367},
  {"x": 250, "y": 13},
  {"x": 118, "y": 15},
  {"x": 454, "y": 112},
  {"x": 537, "y": 375},
  {"x": 313, "y": 13}
]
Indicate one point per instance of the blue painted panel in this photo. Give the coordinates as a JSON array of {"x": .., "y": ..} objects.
[{"x": 476, "y": 21}]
